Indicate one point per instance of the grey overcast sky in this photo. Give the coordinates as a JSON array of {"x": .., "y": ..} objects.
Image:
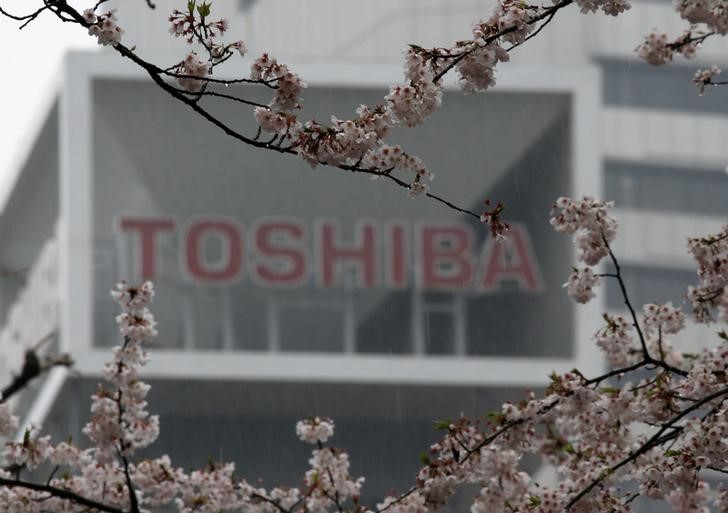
[{"x": 32, "y": 59}]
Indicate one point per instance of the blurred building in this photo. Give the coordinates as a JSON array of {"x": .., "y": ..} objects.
[{"x": 285, "y": 292}]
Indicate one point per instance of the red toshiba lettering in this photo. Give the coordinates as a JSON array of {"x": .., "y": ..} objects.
[
  {"x": 511, "y": 260},
  {"x": 446, "y": 259},
  {"x": 148, "y": 229},
  {"x": 293, "y": 258},
  {"x": 361, "y": 255},
  {"x": 230, "y": 266},
  {"x": 397, "y": 264}
]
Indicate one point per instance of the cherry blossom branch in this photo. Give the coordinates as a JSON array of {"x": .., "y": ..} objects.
[
  {"x": 616, "y": 372},
  {"x": 547, "y": 13},
  {"x": 654, "y": 441},
  {"x": 202, "y": 32},
  {"x": 689, "y": 40},
  {"x": 397, "y": 500},
  {"x": 133, "y": 499},
  {"x": 61, "y": 494},
  {"x": 222, "y": 81},
  {"x": 648, "y": 359},
  {"x": 273, "y": 503},
  {"x": 537, "y": 31},
  {"x": 154, "y": 72},
  {"x": 505, "y": 428},
  {"x": 716, "y": 469},
  {"x": 625, "y": 298},
  {"x": 231, "y": 97}
]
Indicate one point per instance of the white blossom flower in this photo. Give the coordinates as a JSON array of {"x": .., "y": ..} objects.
[
  {"x": 581, "y": 284},
  {"x": 315, "y": 430}
]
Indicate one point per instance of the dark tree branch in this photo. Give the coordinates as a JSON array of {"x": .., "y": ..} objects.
[
  {"x": 32, "y": 368},
  {"x": 60, "y": 493},
  {"x": 536, "y": 32}
]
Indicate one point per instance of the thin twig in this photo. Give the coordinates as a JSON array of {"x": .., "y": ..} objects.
[{"x": 545, "y": 14}]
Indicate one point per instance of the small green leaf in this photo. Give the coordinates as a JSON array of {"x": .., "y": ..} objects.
[
  {"x": 191, "y": 6},
  {"x": 495, "y": 416},
  {"x": 424, "y": 459},
  {"x": 443, "y": 425},
  {"x": 672, "y": 453},
  {"x": 722, "y": 334},
  {"x": 609, "y": 390},
  {"x": 204, "y": 9},
  {"x": 534, "y": 501}
]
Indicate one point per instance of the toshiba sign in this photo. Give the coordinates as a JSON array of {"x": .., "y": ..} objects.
[
  {"x": 275, "y": 252},
  {"x": 254, "y": 251}
]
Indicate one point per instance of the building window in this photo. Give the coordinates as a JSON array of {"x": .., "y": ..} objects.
[
  {"x": 632, "y": 83},
  {"x": 663, "y": 188},
  {"x": 245, "y": 5},
  {"x": 439, "y": 323},
  {"x": 649, "y": 285},
  {"x": 315, "y": 326}
]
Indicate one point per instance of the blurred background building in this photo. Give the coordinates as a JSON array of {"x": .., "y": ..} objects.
[{"x": 285, "y": 292}]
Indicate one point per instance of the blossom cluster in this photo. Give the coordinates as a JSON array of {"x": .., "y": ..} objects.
[
  {"x": 119, "y": 421},
  {"x": 288, "y": 84},
  {"x": 581, "y": 284},
  {"x": 104, "y": 27},
  {"x": 706, "y": 18},
  {"x": 616, "y": 341},
  {"x": 414, "y": 101},
  {"x": 703, "y": 77},
  {"x": 710, "y": 296},
  {"x": 315, "y": 430},
  {"x": 329, "y": 480},
  {"x": 120, "y": 425},
  {"x": 610, "y": 7},
  {"x": 350, "y": 142},
  {"x": 192, "y": 72},
  {"x": 8, "y": 421},
  {"x": 593, "y": 229},
  {"x": 196, "y": 27},
  {"x": 712, "y": 13},
  {"x": 590, "y": 223},
  {"x": 656, "y": 49},
  {"x": 491, "y": 216}
]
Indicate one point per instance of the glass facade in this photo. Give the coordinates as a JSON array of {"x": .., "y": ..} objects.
[{"x": 255, "y": 252}]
